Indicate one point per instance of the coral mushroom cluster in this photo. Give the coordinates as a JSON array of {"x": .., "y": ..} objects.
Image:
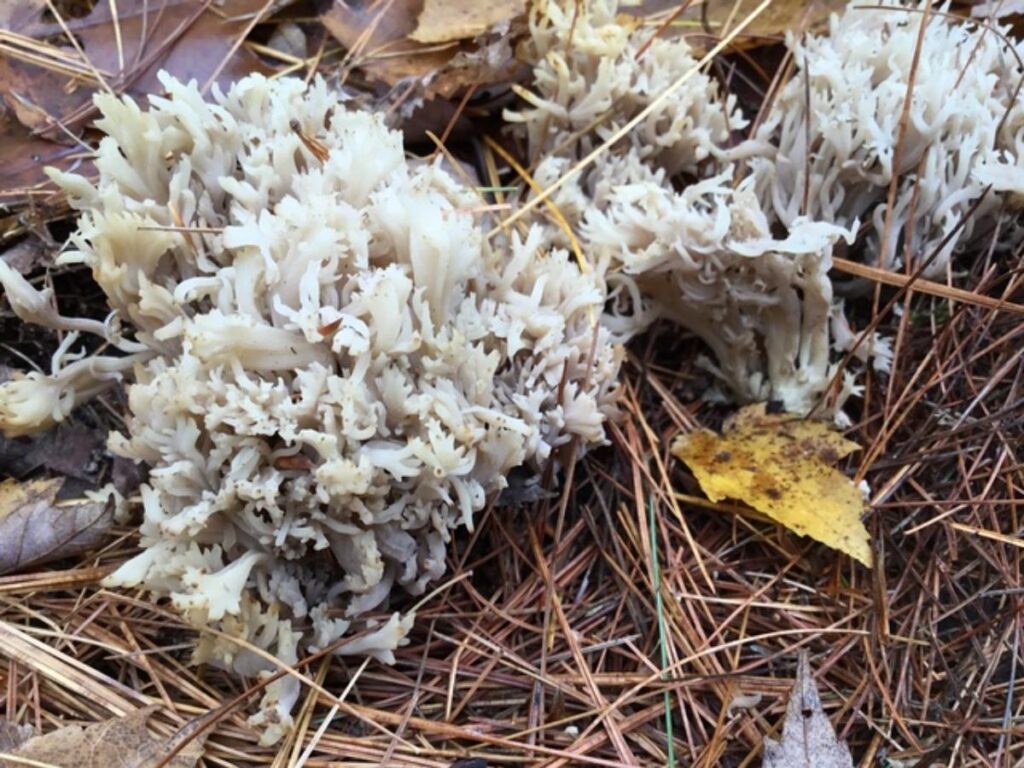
[
  {"x": 659, "y": 211},
  {"x": 841, "y": 135},
  {"x": 332, "y": 368}
]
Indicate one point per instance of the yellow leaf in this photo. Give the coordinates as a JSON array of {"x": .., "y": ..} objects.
[
  {"x": 780, "y": 465},
  {"x": 444, "y": 21}
]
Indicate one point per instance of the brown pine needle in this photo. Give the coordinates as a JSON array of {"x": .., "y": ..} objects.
[{"x": 921, "y": 285}]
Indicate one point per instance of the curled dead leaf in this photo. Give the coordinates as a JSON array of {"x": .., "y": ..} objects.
[
  {"x": 35, "y": 528},
  {"x": 781, "y": 465}
]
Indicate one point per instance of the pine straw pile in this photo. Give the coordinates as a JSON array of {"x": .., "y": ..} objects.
[{"x": 625, "y": 620}]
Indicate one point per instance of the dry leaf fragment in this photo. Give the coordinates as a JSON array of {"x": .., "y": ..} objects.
[
  {"x": 23, "y": 157},
  {"x": 773, "y": 23},
  {"x": 176, "y": 35},
  {"x": 26, "y": 255},
  {"x": 13, "y": 735},
  {"x": 443, "y": 21},
  {"x": 116, "y": 743},
  {"x": 998, "y": 9},
  {"x": 18, "y": 14},
  {"x": 378, "y": 35},
  {"x": 780, "y": 465},
  {"x": 69, "y": 450},
  {"x": 808, "y": 739},
  {"x": 35, "y": 529}
]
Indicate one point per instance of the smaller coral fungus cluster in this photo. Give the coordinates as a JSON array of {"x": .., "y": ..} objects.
[
  {"x": 733, "y": 240},
  {"x": 659, "y": 210},
  {"x": 842, "y": 136}
]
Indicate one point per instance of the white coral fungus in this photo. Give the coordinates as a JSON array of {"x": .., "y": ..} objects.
[
  {"x": 659, "y": 213},
  {"x": 338, "y": 369},
  {"x": 837, "y": 125}
]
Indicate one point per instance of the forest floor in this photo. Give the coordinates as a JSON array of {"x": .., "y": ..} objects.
[{"x": 619, "y": 618}]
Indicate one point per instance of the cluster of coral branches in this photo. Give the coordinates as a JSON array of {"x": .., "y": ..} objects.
[{"x": 335, "y": 357}]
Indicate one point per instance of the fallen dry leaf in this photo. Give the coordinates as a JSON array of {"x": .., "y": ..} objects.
[
  {"x": 176, "y": 35},
  {"x": 443, "y": 21},
  {"x": 773, "y": 23},
  {"x": 998, "y": 9},
  {"x": 68, "y": 450},
  {"x": 27, "y": 255},
  {"x": 19, "y": 14},
  {"x": 13, "y": 735},
  {"x": 780, "y": 465},
  {"x": 808, "y": 739},
  {"x": 35, "y": 529},
  {"x": 377, "y": 34},
  {"x": 116, "y": 743},
  {"x": 23, "y": 157}
]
